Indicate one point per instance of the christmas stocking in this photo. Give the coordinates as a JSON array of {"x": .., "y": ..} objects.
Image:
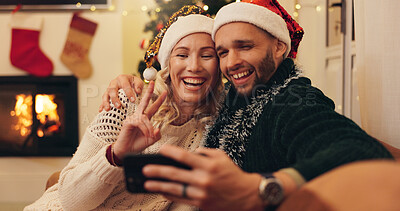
[
  {"x": 76, "y": 48},
  {"x": 25, "y": 52}
]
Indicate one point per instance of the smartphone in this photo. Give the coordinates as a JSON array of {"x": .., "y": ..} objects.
[{"x": 133, "y": 164}]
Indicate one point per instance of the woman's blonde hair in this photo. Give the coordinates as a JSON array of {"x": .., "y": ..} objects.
[{"x": 169, "y": 110}]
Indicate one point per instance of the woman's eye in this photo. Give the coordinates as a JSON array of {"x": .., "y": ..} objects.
[
  {"x": 181, "y": 55},
  {"x": 207, "y": 56}
]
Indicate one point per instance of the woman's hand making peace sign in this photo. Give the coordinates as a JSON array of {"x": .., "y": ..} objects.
[{"x": 137, "y": 131}]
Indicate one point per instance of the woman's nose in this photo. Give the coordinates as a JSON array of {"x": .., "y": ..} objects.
[{"x": 194, "y": 64}]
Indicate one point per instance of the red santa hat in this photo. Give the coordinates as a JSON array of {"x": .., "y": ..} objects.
[{"x": 268, "y": 15}]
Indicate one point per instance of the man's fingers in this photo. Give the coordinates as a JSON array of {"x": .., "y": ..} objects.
[
  {"x": 112, "y": 94},
  {"x": 126, "y": 82},
  {"x": 171, "y": 173},
  {"x": 114, "y": 98},
  {"x": 146, "y": 98},
  {"x": 191, "y": 159},
  {"x": 137, "y": 84},
  {"x": 209, "y": 152},
  {"x": 130, "y": 94},
  {"x": 156, "y": 105},
  {"x": 105, "y": 102},
  {"x": 100, "y": 107}
]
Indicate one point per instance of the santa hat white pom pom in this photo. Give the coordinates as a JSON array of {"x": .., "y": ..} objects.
[{"x": 149, "y": 74}]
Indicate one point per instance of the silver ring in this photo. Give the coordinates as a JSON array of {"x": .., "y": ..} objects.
[{"x": 184, "y": 194}]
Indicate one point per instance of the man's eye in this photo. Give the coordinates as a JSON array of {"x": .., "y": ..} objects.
[
  {"x": 246, "y": 47},
  {"x": 222, "y": 54}
]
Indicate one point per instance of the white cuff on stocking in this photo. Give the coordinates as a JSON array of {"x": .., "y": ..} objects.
[{"x": 25, "y": 21}]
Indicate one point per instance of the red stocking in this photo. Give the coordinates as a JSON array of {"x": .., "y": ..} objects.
[{"x": 25, "y": 51}]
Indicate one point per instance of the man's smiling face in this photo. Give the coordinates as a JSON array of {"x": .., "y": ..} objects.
[{"x": 248, "y": 55}]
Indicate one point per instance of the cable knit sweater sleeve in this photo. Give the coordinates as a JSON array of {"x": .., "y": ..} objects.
[
  {"x": 89, "y": 178},
  {"x": 313, "y": 136}
]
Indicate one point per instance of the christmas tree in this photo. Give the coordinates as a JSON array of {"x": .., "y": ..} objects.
[{"x": 165, "y": 8}]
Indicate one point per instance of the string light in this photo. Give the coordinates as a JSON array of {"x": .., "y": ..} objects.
[
  {"x": 111, "y": 8},
  {"x": 78, "y": 5},
  {"x": 144, "y": 8},
  {"x": 205, "y": 7},
  {"x": 124, "y": 13},
  {"x": 92, "y": 8},
  {"x": 297, "y": 6}
]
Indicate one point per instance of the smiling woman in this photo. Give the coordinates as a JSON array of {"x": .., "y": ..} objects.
[
  {"x": 186, "y": 93},
  {"x": 194, "y": 71}
]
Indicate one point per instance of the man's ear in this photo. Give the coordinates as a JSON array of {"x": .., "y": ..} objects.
[{"x": 280, "y": 49}]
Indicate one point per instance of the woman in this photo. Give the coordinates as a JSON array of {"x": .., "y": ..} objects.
[{"x": 94, "y": 179}]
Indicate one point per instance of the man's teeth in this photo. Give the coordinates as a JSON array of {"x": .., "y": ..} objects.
[
  {"x": 240, "y": 75},
  {"x": 195, "y": 81}
]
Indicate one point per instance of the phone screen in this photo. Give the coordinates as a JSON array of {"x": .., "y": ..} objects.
[{"x": 133, "y": 164}]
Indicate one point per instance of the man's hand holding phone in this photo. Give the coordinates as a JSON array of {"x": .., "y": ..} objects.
[
  {"x": 212, "y": 176},
  {"x": 134, "y": 163}
]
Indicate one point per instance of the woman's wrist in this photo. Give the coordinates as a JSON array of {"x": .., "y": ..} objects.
[{"x": 112, "y": 158}]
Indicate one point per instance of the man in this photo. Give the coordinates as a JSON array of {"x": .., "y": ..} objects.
[{"x": 278, "y": 130}]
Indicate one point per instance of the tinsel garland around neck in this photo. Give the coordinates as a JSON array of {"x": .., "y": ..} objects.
[{"x": 233, "y": 128}]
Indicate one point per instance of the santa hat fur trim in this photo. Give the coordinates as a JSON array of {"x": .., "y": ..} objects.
[
  {"x": 184, "y": 26},
  {"x": 256, "y": 15}
]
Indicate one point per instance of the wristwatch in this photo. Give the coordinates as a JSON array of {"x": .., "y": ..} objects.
[{"x": 270, "y": 190}]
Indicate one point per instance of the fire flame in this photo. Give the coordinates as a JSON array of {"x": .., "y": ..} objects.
[
  {"x": 45, "y": 106},
  {"x": 23, "y": 110},
  {"x": 46, "y": 111}
]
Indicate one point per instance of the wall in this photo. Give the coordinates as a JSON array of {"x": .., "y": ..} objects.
[
  {"x": 22, "y": 179},
  {"x": 133, "y": 24}
]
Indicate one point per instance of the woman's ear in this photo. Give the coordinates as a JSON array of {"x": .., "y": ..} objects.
[{"x": 280, "y": 49}]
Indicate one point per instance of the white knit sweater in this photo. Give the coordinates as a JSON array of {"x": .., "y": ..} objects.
[{"x": 90, "y": 182}]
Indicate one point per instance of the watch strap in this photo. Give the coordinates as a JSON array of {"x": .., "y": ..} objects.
[{"x": 267, "y": 175}]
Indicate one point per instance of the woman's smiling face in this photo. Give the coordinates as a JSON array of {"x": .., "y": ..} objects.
[{"x": 193, "y": 68}]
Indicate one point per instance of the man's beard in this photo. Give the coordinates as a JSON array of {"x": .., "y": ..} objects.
[
  {"x": 266, "y": 69},
  {"x": 263, "y": 73}
]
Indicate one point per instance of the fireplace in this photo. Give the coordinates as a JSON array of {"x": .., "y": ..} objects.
[{"x": 39, "y": 116}]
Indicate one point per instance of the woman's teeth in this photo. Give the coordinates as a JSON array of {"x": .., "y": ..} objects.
[
  {"x": 242, "y": 74},
  {"x": 193, "y": 81}
]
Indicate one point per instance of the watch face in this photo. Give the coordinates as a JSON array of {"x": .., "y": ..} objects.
[{"x": 272, "y": 193}]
